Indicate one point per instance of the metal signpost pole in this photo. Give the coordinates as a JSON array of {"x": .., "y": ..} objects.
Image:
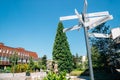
[
  {"x": 88, "y": 53},
  {"x": 88, "y": 48}
]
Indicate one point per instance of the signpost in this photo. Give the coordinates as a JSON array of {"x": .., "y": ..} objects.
[
  {"x": 99, "y": 35},
  {"x": 88, "y": 21},
  {"x": 115, "y": 33}
]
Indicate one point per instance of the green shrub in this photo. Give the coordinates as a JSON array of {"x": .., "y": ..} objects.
[
  {"x": 53, "y": 76},
  {"x": 21, "y": 68},
  {"x": 76, "y": 73},
  {"x": 8, "y": 70},
  {"x": 43, "y": 67}
]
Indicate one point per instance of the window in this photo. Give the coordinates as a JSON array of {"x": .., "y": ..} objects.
[
  {"x": 24, "y": 60},
  {"x": 5, "y": 58},
  {"x": 7, "y": 51},
  {"x": 4, "y": 51},
  {"x": 28, "y": 55},
  {"x": 0, "y": 50},
  {"x": 10, "y": 52},
  {"x": 21, "y": 54},
  {"x": 0, "y": 58},
  {"x": 18, "y": 53}
]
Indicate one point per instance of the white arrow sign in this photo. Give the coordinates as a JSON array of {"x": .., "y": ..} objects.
[
  {"x": 95, "y": 21},
  {"x": 90, "y": 21},
  {"x": 115, "y": 32},
  {"x": 99, "y": 35},
  {"x": 72, "y": 28},
  {"x": 96, "y": 14}
]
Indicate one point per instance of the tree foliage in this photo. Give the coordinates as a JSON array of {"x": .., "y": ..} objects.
[
  {"x": 13, "y": 58},
  {"x": 95, "y": 57},
  {"x": 78, "y": 63},
  {"x": 102, "y": 46},
  {"x": 75, "y": 62},
  {"x": 44, "y": 62},
  {"x": 61, "y": 51},
  {"x": 31, "y": 63},
  {"x": 53, "y": 76},
  {"x": 21, "y": 68}
]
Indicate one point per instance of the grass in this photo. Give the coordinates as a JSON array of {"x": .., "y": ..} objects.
[
  {"x": 76, "y": 73},
  {"x": 98, "y": 75}
]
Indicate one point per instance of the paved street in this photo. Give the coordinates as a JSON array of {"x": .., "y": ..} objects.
[
  {"x": 21, "y": 76},
  {"x": 34, "y": 76}
]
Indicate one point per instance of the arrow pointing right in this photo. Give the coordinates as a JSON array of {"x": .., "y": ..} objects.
[{"x": 99, "y": 35}]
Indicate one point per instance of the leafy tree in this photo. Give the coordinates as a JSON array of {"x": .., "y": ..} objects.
[
  {"x": 82, "y": 64},
  {"x": 75, "y": 62},
  {"x": 31, "y": 63},
  {"x": 44, "y": 62},
  {"x": 61, "y": 51},
  {"x": 95, "y": 57},
  {"x": 14, "y": 58},
  {"x": 40, "y": 63},
  {"x": 103, "y": 46}
]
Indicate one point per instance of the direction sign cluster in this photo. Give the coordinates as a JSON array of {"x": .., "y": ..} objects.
[{"x": 89, "y": 21}]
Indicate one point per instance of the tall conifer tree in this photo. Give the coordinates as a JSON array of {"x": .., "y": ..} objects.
[{"x": 61, "y": 51}]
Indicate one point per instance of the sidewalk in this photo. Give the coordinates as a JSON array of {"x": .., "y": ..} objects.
[{"x": 22, "y": 76}]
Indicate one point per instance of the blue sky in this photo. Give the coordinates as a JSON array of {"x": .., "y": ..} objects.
[{"x": 32, "y": 24}]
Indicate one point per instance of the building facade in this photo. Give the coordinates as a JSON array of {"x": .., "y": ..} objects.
[{"x": 23, "y": 55}]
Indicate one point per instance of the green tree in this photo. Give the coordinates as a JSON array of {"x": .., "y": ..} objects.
[
  {"x": 61, "y": 51},
  {"x": 95, "y": 57},
  {"x": 31, "y": 63},
  {"x": 14, "y": 58},
  {"x": 75, "y": 62},
  {"x": 40, "y": 63},
  {"x": 44, "y": 62},
  {"x": 105, "y": 46}
]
